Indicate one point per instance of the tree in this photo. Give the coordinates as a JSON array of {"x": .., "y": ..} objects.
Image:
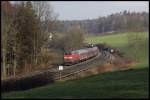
[
  {"x": 47, "y": 20},
  {"x": 28, "y": 27},
  {"x": 71, "y": 40},
  {"x": 74, "y": 39},
  {"x": 7, "y": 37},
  {"x": 45, "y": 14}
]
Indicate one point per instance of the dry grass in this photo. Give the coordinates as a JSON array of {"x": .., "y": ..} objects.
[{"x": 116, "y": 64}]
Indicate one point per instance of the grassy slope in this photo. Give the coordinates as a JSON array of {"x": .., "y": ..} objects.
[
  {"x": 131, "y": 83},
  {"x": 125, "y": 84},
  {"x": 120, "y": 41}
]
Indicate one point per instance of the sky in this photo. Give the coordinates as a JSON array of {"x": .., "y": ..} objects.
[{"x": 80, "y": 10}]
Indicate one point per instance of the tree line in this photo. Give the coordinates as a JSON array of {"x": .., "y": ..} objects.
[
  {"x": 118, "y": 22},
  {"x": 25, "y": 27}
]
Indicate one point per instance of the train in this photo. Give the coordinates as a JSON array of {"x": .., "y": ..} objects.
[{"x": 76, "y": 56}]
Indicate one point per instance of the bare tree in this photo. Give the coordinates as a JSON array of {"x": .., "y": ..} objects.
[
  {"x": 6, "y": 11},
  {"x": 45, "y": 13},
  {"x": 47, "y": 19},
  {"x": 75, "y": 38}
]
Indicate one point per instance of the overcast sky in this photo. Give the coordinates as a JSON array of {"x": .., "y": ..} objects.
[{"x": 78, "y": 10}]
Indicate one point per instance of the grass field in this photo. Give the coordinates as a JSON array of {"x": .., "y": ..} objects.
[
  {"x": 122, "y": 84},
  {"x": 120, "y": 41}
]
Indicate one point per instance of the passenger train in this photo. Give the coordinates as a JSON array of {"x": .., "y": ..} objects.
[{"x": 76, "y": 56}]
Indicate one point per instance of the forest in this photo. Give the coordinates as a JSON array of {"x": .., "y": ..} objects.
[{"x": 118, "y": 22}]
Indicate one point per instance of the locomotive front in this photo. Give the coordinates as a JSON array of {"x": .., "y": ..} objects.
[{"x": 71, "y": 57}]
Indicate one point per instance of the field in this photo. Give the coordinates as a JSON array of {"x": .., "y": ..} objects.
[
  {"x": 120, "y": 41},
  {"x": 131, "y": 83}
]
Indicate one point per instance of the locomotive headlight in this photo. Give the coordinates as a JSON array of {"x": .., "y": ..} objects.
[{"x": 68, "y": 57}]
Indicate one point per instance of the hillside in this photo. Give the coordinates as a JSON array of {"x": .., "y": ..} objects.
[
  {"x": 120, "y": 41},
  {"x": 131, "y": 83},
  {"x": 122, "y": 84}
]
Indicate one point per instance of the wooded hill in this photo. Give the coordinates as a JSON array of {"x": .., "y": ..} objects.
[{"x": 118, "y": 22}]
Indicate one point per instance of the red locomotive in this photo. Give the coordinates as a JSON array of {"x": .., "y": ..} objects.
[{"x": 80, "y": 55}]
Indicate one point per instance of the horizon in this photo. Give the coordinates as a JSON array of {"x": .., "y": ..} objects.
[
  {"x": 99, "y": 16},
  {"x": 84, "y": 10}
]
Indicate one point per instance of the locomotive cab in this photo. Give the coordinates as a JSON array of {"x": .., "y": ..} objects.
[
  {"x": 71, "y": 57},
  {"x": 67, "y": 53}
]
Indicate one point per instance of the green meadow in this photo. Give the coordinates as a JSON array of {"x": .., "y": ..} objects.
[{"x": 120, "y": 41}]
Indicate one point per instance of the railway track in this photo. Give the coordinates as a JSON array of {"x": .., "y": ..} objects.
[{"x": 72, "y": 70}]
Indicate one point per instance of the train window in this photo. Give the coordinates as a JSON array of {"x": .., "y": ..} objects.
[
  {"x": 74, "y": 52},
  {"x": 67, "y": 53}
]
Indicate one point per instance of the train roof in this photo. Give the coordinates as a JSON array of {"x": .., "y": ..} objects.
[{"x": 81, "y": 49}]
